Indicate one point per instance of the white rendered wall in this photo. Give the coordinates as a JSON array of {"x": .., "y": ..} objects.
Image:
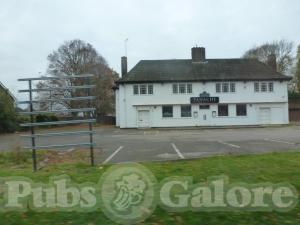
[{"x": 128, "y": 104}]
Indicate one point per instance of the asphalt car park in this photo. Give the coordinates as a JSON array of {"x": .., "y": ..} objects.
[{"x": 133, "y": 145}]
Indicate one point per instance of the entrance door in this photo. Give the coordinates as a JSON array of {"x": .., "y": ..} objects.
[
  {"x": 264, "y": 115},
  {"x": 143, "y": 118}
]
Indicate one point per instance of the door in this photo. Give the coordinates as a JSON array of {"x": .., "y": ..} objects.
[
  {"x": 264, "y": 115},
  {"x": 143, "y": 118}
]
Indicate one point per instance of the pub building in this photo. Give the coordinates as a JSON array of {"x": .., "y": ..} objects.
[{"x": 201, "y": 92}]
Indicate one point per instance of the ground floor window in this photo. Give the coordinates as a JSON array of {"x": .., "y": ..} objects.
[
  {"x": 186, "y": 111},
  {"x": 167, "y": 111},
  {"x": 222, "y": 110},
  {"x": 241, "y": 110}
]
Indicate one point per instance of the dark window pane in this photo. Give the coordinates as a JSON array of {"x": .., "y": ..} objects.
[
  {"x": 271, "y": 87},
  {"x": 150, "y": 89},
  {"x": 143, "y": 89},
  {"x": 182, "y": 88},
  {"x": 225, "y": 87},
  {"x": 136, "y": 89},
  {"x": 204, "y": 107},
  {"x": 167, "y": 111},
  {"x": 186, "y": 111},
  {"x": 256, "y": 87},
  {"x": 189, "y": 88},
  {"x": 222, "y": 110},
  {"x": 263, "y": 87},
  {"x": 232, "y": 87},
  {"x": 241, "y": 110},
  {"x": 175, "y": 88},
  {"x": 218, "y": 87}
]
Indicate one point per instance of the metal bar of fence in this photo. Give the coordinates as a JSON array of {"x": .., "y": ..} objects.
[
  {"x": 57, "y": 146},
  {"x": 58, "y": 123},
  {"x": 60, "y": 99},
  {"x": 59, "y": 111},
  {"x": 54, "y": 134},
  {"x": 57, "y": 78},
  {"x": 58, "y": 88},
  {"x": 32, "y": 130}
]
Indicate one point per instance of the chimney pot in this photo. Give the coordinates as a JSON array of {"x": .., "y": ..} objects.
[
  {"x": 198, "y": 54},
  {"x": 123, "y": 65},
  {"x": 272, "y": 61}
]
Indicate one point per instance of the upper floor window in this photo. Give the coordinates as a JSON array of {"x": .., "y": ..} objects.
[
  {"x": 271, "y": 87},
  {"x": 150, "y": 89},
  {"x": 256, "y": 87},
  {"x": 225, "y": 87},
  {"x": 135, "y": 89},
  {"x": 143, "y": 89},
  {"x": 182, "y": 88},
  {"x": 232, "y": 87},
  {"x": 175, "y": 88},
  {"x": 218, "y": 87},
  {"x": 263, "y": 87},
  {"x": 189, "y": 88}
]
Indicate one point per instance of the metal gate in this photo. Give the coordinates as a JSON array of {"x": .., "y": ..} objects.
[{"x": 32, "y": 113}]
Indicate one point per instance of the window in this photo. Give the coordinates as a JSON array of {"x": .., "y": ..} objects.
[
  {"x": 150, "y": 89},
  {"x": 189, "y": 88},
  {"x": 232, "y": 87},
  {"x": 167, "y": 111},
  {"x": 241, "y": 110},
  {"x": 271, "y": 87},
  {"x": 143, "y": 89},
  {"x": 135, "y": 89},
  {"x": 181, "y": 88},
  {"x": 218, "y": 87},
  {"x": 186, "y": 111},
  {"x": 263, "y": 87},
  {"x": 175, "y": 88},
  {"x": 256, "y": 87},
  {"x": 225, "y": 87},
  {"x": 203, "y": 106},
  {"x": 222, "y": 110}
]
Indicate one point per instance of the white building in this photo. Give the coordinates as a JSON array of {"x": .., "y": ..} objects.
[{"x": 201, "y": 92}]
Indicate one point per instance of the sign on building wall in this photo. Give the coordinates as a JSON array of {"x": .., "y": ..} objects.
[{"x": 204, "y": 97}]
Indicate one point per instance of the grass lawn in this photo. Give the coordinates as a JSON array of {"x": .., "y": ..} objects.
[{"x": 272, "y": 167}]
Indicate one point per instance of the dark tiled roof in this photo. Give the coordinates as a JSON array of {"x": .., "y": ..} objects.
[{"x": 210, "y": 70}]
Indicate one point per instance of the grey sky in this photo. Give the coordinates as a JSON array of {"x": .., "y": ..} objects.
[{"x": 157, "y": 29}]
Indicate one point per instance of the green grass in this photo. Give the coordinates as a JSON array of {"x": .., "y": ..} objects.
[{"x": 272, "y": 167}]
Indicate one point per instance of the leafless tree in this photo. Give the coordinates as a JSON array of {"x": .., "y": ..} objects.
[
  {"x": 282, "y": 49},
  {"x": 76, "y": 57}
]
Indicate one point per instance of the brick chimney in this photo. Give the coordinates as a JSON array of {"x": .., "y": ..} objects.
[
  {"x": 272, "y": 61},
  {"x": 198, "y": 54},
  {"x": 123, "y": 65}
]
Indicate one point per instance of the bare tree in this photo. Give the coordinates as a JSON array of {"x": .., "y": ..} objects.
[
  {"x": 282, "y": 49},
  {"x": 76, "y": 57}
]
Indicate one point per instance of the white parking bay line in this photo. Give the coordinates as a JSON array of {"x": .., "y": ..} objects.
[
  {"x": 279, "y": 141},
  {"x": 229, "y": 144},
  {"x": 112, "y": 155},
  {"x": 177, "y": 151}
]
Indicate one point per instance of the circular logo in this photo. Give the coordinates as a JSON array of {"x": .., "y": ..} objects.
[{"x": 128, "y": 193}]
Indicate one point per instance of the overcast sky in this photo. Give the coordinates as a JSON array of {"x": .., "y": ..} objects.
[{"x": 156, "y": 29}]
